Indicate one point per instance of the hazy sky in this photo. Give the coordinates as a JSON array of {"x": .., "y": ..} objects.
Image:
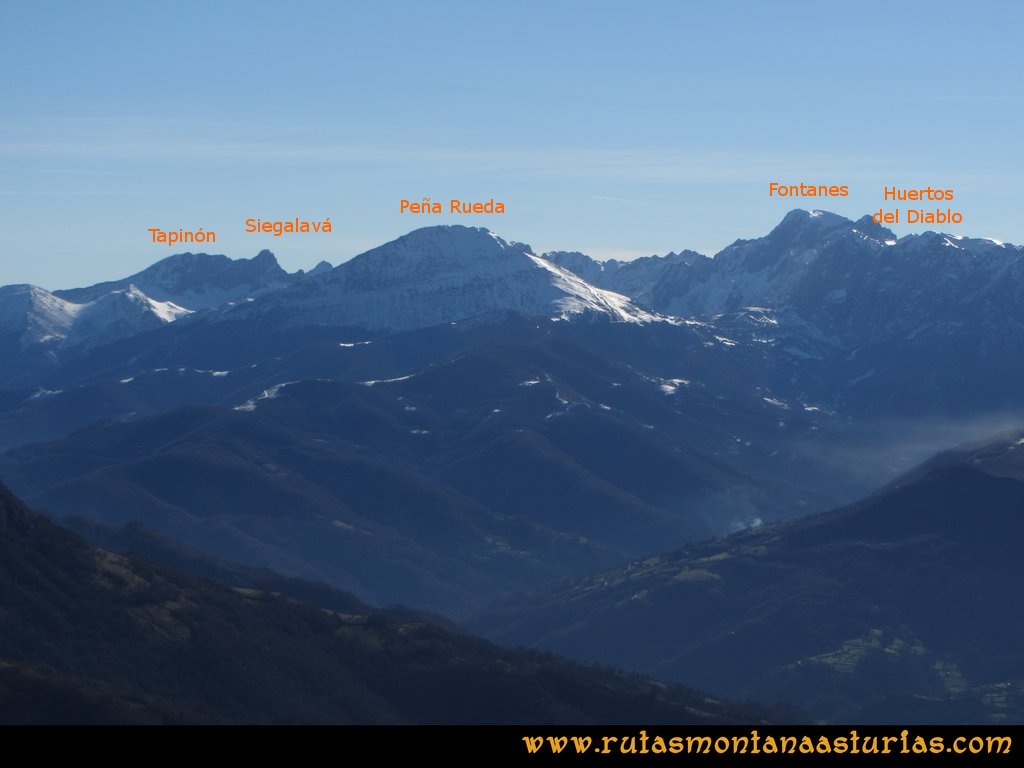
[{"x": 619, "y": 129}]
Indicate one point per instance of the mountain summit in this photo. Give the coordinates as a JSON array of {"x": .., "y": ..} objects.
[
  {"x": 849, "y": 282},
  {"x": 196, "y": 280},
  {"x": 443, "y": 274},
  {"x": 37, "y": 326}
]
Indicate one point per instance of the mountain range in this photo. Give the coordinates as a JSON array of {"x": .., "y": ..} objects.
[
  {"x": 899, "y": 608},
  {"x": 451, "y": 421},
  {"x": 91, "y": 637}
]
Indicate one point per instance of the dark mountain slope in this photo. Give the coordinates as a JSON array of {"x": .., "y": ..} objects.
[
  {"x": 515, "y": 452},
  {"x": 901, "y": 607},
  {"x": 87, "y": 636},
  {"x": 527, "y": 458},
  {"x": 250, "y": 490}
]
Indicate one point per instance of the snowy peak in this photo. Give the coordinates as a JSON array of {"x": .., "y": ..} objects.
[
  {"x": 868, "y": 227},
  {"x": 197, "y": 280},
  {"x": 639, "y": 279},
  {"x": 961, "y": 247},
  {"x": 840, "y": 280},
  {"x": 432, "y": 253},
  {"x": 802, "y": 230},
  {"x": 118, "y": 314},
  {"x": 798, "y": 225},
  {"x": 34, "y": 316},
  {"x": 444, "y": 274},
  {"x": 130, "y": 301},
  {"x": 582, "y": 297},
  {"x": 586, "y": 267}
]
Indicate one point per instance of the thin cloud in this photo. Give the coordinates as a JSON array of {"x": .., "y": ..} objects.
[
  {"x": 614, "y": 199},
  {"x": 24, "y": 144}
]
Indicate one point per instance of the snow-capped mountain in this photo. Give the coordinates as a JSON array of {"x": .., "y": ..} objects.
[
  {"x": 30, "y": 315},
  {"x": 35, "y": 316},
  {"x": 586, "y": 439},
  {"x": 38, "y": 328},
  {"x": 840, "y": 305},
  {"x": 199, "y": 280},
  {"x": 847, "y": 282},
  {"x": 120, "y": 313},
  {"x": 586, "y": 267},
  {"x": 811, "y": 258},
  {"x": 636, "y": 278},
  {"x": 438, "y": 275}
]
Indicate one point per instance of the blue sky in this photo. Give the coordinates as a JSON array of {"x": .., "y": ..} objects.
[{"x": 619, "y": 129}]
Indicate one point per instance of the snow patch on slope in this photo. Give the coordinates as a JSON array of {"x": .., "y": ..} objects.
[
  {"x": 267, "y": 394},
  {"x": 440, "y": 275},
  {"x": 40, "y": 317},
  {"x": 582, "y": 296}
]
